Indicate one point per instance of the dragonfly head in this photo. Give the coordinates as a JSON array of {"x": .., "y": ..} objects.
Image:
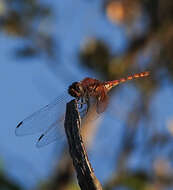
[{"x": 76, "y": 90}]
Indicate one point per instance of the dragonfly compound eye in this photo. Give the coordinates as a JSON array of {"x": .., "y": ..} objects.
[{"x": 75, "y": 90}]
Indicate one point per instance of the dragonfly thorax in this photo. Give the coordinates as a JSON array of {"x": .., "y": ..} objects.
[{"x": 76, "y": 90}]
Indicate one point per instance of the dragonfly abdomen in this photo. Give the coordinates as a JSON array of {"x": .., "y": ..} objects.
[{"x": 111, "y": 84}]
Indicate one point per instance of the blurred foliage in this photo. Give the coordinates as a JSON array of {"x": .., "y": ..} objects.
[
  {"x": 27, "y": 19},
  {"x": 136, "y": 181},
  {"x": 5, "y": 182},
  {"x": 96, "y": 55},
  {"x": 149, "y": 48}
]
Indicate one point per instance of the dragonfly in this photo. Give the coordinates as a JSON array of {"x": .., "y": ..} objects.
[{"x": 87, "y": 92}]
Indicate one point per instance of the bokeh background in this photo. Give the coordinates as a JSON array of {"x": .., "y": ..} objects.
[{"x": 47, "y": 45}]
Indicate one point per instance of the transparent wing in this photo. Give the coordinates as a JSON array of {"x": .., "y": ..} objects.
[
  {"x": 50, "y": 120},
  {"x": 54, "y": 132},
  {"x": 42, "y": 119},
  {"x": 90, "y": 114},
  {"x": 102, "y": 104}
]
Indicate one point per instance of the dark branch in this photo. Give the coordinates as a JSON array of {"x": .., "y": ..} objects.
[{"x": 85, "y": 174}]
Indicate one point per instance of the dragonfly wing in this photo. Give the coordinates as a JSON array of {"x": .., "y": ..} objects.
[
  {"x": 89, "y": 112},
  {"x": 102, "y": 104},
  {"x": 54, "y": 132},
  {"x": 43, "y": 118}
]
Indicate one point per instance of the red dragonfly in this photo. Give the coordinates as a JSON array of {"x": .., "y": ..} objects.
[{"x": 49, "y": 118}]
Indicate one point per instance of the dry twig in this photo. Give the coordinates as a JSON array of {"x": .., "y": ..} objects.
[{"x": 85, "y": 174}]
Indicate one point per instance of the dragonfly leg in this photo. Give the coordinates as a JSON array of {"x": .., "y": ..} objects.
[
  {"x": 81, "y": 102},
  {"x": 88, "y": 103}
]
